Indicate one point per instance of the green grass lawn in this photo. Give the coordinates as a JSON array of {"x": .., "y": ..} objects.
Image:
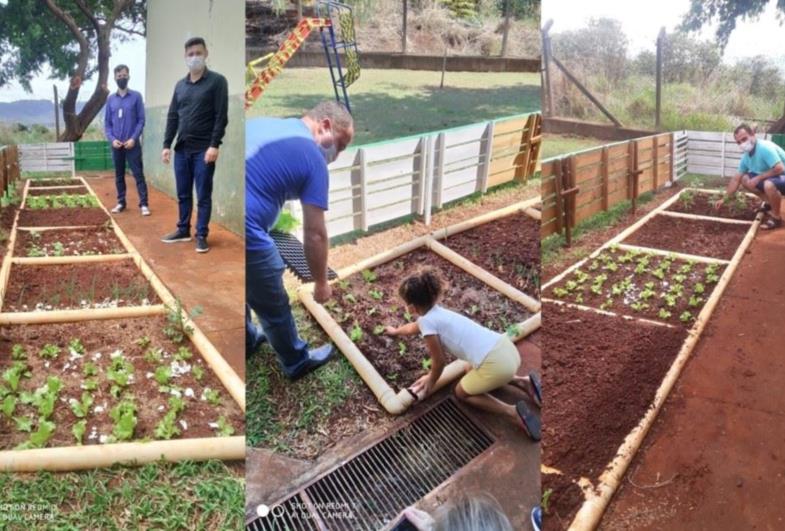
[
  {"x": 393, "y": 103},
  {"x": 185, "y": 495},
  {"x": 553, "y": 145}
]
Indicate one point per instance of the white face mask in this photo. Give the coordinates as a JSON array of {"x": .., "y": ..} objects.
[
  {"x": 747, "y": 146},
  {"x": 330, "y": 153},
  {"x": 195, "y": 62}
]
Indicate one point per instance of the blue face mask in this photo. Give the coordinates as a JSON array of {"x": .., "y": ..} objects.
[{"x": 329, "y": 153}]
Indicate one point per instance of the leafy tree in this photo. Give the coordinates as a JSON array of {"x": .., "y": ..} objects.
[
  {"x": 600, "y": 48},
  {"x": 74, "y": 38},
  {"x": 726, "y": 13},
  {"x": 685, "y": 59}
]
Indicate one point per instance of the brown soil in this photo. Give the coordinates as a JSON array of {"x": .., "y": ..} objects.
[
  {"x": 508, "y": 248},
  {"x": 73, "y": 286},
  {"x": 565, "y": 496},
  {"x": 7, "y": 215},
  {"x": 693, "y": 236},
  {"x": 600, "y": 375},
  {"x": 106, "y": 337},
  {"x": 622, "y": 303},
  {"x": 703, "y": 205},
  {"x": 101, "y": 240},
  {"x": 400, "y": 359},
  {"x": 63, "y": 191},
  {"x": 40, "y": 183},
  {"x": 62, "y": 217}
]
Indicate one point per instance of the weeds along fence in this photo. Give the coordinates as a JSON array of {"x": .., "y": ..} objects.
[
  {"x": 580, "y": 185},
  {"x": 378, "y": 183},
  {"x": 9, "y": 167}
]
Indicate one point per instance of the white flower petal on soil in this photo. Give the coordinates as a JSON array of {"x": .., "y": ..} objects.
[
  {"x": 46, "y": 364},
  {"x": 66, "y": 366},
  {"x": 179, "y": 369},
  {"x": 149, "y": 375},
  {"x": 98, "y": 409},
  {"x": 161, "y": 407},
  {"x": 116, "y": 354},
  {"x": 184, "y": 425},
  {"x": 96, "y": 356},
  {"x": 102, "y": 439},
  {"x": 189, "y": 393},
  {"x": 213, "y": 425}
]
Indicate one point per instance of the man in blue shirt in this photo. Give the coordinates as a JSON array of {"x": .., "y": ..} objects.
[
  {"x": 123, "y": 125},
  {"x": 286, "y": 159},
  {"x": 761, "y": 171}
]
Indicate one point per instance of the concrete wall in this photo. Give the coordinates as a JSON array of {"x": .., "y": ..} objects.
[{"x": 222, "y": 24}]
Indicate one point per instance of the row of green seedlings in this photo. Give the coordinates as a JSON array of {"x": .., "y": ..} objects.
[
  {"x": 737, "y": 203},
  {"x": 73, "y": 293},
  {"x": 42, "y": 202},
  {"x": 119, "y": 375},
  {"x": 58, "y": 248},
  {"x": 674, "y": 278},
  {"x": 377, "y": 295}
]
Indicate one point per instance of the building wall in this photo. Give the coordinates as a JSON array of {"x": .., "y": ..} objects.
[{"x": 222, "y": 24}]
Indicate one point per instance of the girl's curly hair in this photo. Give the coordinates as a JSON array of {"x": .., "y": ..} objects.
[{"x": 422, "y": 288}]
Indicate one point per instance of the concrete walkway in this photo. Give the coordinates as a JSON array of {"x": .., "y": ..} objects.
[
  {"x": 715, "y": 458},
  {"x": 215, "y": 280}
]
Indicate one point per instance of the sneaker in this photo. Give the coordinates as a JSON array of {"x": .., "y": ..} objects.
[
  {"x": 316, "y": 358},
  {"x": 176, "y": 236},
  {"x": 118, "y": 208},
  {"x": 536, "y": 518},
  {"x": 145, "y": 211},
  {"x": 201, "y": 244}
]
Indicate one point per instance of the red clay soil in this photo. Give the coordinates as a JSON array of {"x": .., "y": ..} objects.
[
  {"x": 73, "y": 286},
  {"x": 508, "y": 248},
  {"x": 101, "y": 240},
  {"x": 600, "y": 375},
  {"x": 7, "y": 215},
  {"x": 649, "y": 305},
  {"x": 100, "y": 339},
  {"x": 62, "y": 191},
  {"x": 715, "y": 457},
  {"x": 693, "y": 236},
  {"x": 703, "y": 205},
  {"x": 400, "y": 359},
  {"x": 62, "y": 217},
  {"x": 54, "y": 182}
]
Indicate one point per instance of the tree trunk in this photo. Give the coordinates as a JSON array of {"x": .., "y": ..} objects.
[
  {"x": 506, "y": 34},
  {"x": 403, "y": 35}
]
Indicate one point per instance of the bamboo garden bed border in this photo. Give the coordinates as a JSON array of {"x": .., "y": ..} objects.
[
  {"x": 65, "y": 458},
  {"x": 597, "y": 497},
  {"x": 397, "y": 403}
]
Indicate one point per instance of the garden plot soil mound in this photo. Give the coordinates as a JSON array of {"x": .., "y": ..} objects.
[
  {"x": 79, "y": 242},
  {"x": 640, "y": 284},
  {"x": 742, "y": 207},
  {"x": 363, "y": 303},
  {"x": 74, "y": 286},
  {"x": 135, "y": 339},
  {"x": 600, "y": 376},
  {"x": 692, "y": 236},
  {"x": 40, "y": 183},
  {"x": 565, "y": 496},
  {"x": 60, "y": 191},
  {"x": 62, "y": 217},
  {"x": 508, "y": 248}
]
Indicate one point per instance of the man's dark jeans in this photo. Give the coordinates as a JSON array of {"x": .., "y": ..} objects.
[
  {"x": 133, "y": 157},
  {"x": 266, "y": 295},
  {"x": 189, "y": 169}
]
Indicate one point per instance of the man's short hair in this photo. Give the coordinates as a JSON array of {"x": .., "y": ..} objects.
[
  {"x": 743, "y": 127},
  {"x": 334, "y": 111},
  {"x": 194, "y": 41},
  {"x": 120, "y": 68}
]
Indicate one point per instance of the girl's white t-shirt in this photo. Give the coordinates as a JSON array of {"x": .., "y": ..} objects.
[{"x": 459, "y": 335}]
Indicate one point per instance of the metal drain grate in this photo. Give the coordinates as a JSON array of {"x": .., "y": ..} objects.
[
  {"x": 372, "y": 488},
  {"x": 293, "y": 256}
]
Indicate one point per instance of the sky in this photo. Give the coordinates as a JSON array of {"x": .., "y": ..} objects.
[
  {"x": 131, "y": 53},
  {"x": 642, "y": 21}
]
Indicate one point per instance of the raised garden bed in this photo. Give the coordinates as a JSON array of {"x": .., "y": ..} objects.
[
  {"x": 39, "y": 183},
  {"x": 601, "y": 374},
  {"x": 55, "y": 201},
  {"x": 740, "y": 207},
  {"x": 62, "y": 217},
  {"x": 508, "y": 248},
  {"x": 364, "y": 302},
  {"x": 58, "y": 191},
  {"x": 77, "y": 286},
  {"x": 72, "y": 242},
  {"x": 714, "y": 239},
  {"x": 85, "y": 371},
  {"x": 642, "y": 284}
]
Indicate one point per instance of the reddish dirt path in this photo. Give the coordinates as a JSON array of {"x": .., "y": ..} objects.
[
  {"x": 718, "y": 446},
  {"x": 215, "y": 280},
  {"x": 510, "y": 472}
]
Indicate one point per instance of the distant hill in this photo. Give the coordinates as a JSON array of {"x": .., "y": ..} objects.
[{"x": 29, "y": 112}]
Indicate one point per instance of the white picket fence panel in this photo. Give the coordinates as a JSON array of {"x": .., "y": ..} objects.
[
  {"x": 714, "y": 153},
  {"x": 47, "y": 157}
]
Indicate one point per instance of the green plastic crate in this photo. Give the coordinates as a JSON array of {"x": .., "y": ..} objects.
[
  {"x": 779, "y": 139},
  {"x": 93, "y": 155}
]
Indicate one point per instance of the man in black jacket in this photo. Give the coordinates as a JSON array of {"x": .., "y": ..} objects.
[{"x": 197, "y": 115}]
